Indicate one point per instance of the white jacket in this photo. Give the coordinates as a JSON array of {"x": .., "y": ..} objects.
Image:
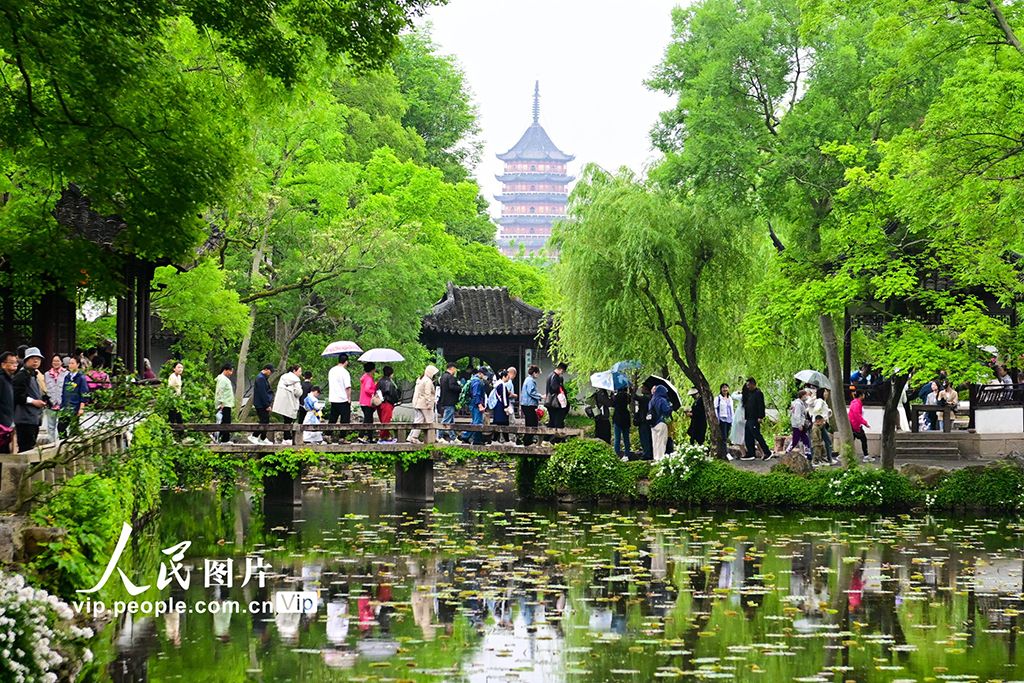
[
  {"x": 423, "y": 395},
  {"x": 286, "y": 398}
]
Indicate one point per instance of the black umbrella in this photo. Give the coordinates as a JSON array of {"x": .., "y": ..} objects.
[{"x": 673, "y": 393}]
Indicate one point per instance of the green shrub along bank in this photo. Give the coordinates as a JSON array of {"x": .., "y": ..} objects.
[
  {"x": 91, "y": 508},
  {"x": 586, "y": 469}
]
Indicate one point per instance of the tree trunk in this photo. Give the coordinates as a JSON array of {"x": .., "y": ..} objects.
[
  {"x": 837, "y": 396},
  {"x": 708, "y": 399},
  {"x": 891, "y": 419},
  {"x": 243, "y": 355},
  {"x": 243, "y": 351}
]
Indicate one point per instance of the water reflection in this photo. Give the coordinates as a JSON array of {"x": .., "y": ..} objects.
[{"x": 481, "y": 590}]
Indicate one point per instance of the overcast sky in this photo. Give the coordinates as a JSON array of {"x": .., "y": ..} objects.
[{"x": 591, "y": 58}]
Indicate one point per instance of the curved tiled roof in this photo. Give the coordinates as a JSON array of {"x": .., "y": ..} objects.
[
  {"x": 482, "y": 311},
  {"x": 535, "y": 145}
]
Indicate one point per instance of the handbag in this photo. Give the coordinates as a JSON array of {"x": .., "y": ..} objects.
[
  {"x": 6, "y": 436},
  {"x": 377, "y": 398},
  {"x": 563, "y": 402}
]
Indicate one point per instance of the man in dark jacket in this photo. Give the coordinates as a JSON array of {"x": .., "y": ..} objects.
[
  {"x": 555, "y": 388},
  {"x": 8, "y": 366},
  {"x": 262, "y": 400},
  {"x": 754, "y": 413},
  {"x": 657, "y": 413},
  {"x": 449, "y": 398},
  {"x": 29, "y": 400},
  {"x": 622, "y": 421}
]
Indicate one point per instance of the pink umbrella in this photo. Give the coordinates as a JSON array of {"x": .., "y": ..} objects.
[{"x": 334, "y": 348}]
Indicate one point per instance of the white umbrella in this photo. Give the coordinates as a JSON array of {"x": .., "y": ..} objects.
[
  {"x": 814, "y": 377},
  {"x": 382, "y": 356},
  {"x": 603, "y": 380},
  {"x": 334, "y": 348}
]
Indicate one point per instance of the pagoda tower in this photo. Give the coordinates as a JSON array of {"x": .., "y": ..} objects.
[{"x": 534, "y": 189}]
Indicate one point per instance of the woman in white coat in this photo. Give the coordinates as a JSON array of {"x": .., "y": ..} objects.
[
  {"x": 286, "y": 398},
  {"x": 423, "y": 401}
]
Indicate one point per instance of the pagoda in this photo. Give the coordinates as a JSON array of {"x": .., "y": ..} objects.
[{"x": 534, "y": 189}]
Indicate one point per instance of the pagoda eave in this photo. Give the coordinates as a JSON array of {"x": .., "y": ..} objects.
[
  {"x": 533, "y": 197},
  {"x": 535, "y": 178}
]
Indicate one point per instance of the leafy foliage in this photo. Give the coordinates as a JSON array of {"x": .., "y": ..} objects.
[{"x": 584, "y": 468}]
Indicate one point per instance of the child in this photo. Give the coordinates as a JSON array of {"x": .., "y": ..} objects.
[
  {"x": 313, "y": 406},
  {"x": 818, "y": 441}
]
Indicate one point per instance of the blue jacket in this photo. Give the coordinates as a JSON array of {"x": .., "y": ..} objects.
[
  {"x": 262, "y": 394},
  {"x": 76, "y": 391},
  {"x": 659, "y": 408},
  {"x": 477, "y": 392},
  {"x": 530, "y": 395}
]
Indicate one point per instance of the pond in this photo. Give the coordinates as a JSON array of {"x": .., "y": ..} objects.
[{"x": 481, "y": 587}]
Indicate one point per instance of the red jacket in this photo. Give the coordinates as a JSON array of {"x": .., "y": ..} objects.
[{"x": 857, "y": 420}]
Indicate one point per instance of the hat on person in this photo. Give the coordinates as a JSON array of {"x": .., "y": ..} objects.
[{"x": 33, "y": 352}]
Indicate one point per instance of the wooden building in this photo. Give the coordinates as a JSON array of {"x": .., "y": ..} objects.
[{"x": 474, "y": 326}]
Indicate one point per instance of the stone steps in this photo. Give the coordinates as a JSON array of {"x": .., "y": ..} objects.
[{"x": 933, "y": 446}]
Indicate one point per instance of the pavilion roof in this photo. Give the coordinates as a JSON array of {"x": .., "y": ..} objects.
[{"x": 483, "y": 311}]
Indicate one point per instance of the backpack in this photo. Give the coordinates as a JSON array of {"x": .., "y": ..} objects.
[
  {"x": 463, "y": 395},
  {"x": 492, "y": 399}
]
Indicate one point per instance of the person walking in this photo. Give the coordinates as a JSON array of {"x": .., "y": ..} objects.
[
  {"x": 754, "y": 413},
  {"x": 286, "y": 398},
  {"x": 447, "y": 401},
  {"x": 698, "y": 429},
  {"x": 643, "y": 402},
  {"x": 513, "y": 397},
  {"x": 738, "y": 435},
  {"x": 74, "y": 396},
  {"x": 477, "y": 405},
  {"x": 312, "y": 405},
  {"x": 262, "y": 399},
  {"x": 798, "y": 423},
  {"x": 29, "y": 400},
  {"x": 530, "y": 400},
  {"x": 501, "y": 406},
  {"x": 54, "y": 380},
  {"x": 367, "y": 389},
  {"x": 174, "y": 383},
  {"x": 224, "y": 399},
  {"x": 725, "y": 412},
  {"x": 819, "y": 407},
  {"x": 622, "y": 421},
  {"x": 818, "y": 429},
  {"x": 423, "y": 401},
  {"x": 603, "y": 415},
  {"x": 339, "y": 394},
  {"x": 307, "y": 385},
  {"x": 858, "y": 423},
  {"x": 390, "y": 396},
  {"x": 8, "y": 366},
  {"x": 657, "y": 412},
  {"x": 556, "y": 399}
]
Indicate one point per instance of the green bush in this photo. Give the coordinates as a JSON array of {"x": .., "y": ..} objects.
[
  {"x": 997, "y": 487},
  {"x": 585, "y": 468}
]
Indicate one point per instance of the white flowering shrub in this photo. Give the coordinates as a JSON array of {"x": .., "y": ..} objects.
[
  {"x": 39, "y": 643},
  {"x": 681, "y": 464}
]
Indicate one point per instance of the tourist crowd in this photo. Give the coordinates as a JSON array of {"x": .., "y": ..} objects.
[{"x": 36, "y": 394}]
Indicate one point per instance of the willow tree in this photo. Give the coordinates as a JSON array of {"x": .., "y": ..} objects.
[{"x": 645, "y": 275}]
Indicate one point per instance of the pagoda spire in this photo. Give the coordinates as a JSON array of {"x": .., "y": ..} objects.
[{"x": 536, "y": 101}]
